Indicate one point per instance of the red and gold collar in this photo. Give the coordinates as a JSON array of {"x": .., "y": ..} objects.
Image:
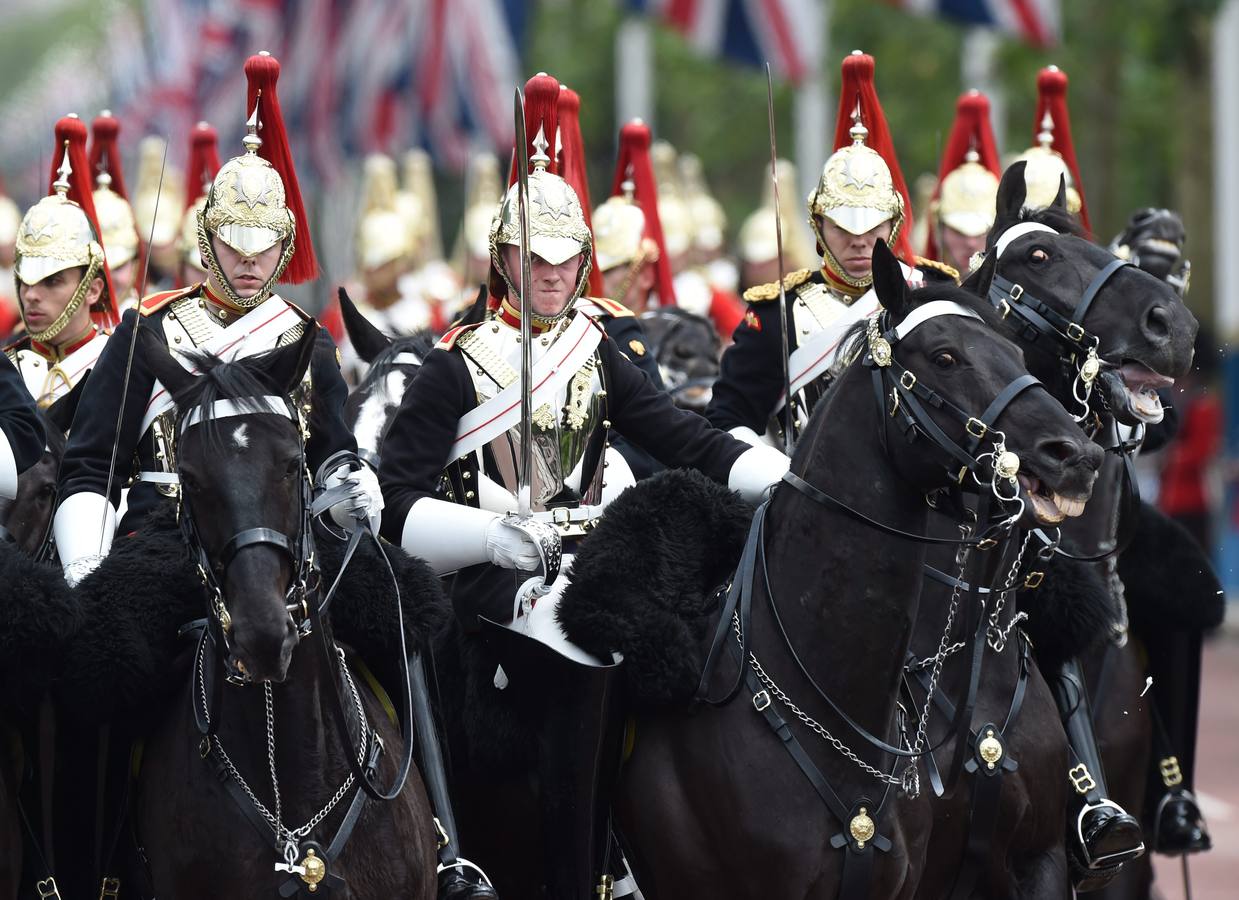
[
  {"x": 511, "y": 316},
  {"x": 56, "y": 354}
]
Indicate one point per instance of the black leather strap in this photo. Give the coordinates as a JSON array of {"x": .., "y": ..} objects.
[
  {"x": 251, "y": 537},
  {"x": 1094, "y": 288}
]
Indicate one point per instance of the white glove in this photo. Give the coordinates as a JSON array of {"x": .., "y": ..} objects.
[
  {"x": 363, "y": 503},
  {"x": 755, "y": 470},
  {"x": 510, "y": 548}
]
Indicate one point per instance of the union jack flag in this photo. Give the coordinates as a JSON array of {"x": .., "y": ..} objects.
[{"x": 1037, "y": 22}]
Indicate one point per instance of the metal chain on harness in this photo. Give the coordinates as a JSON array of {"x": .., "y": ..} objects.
[
  {"x": 286, "y": 839},
  {"x": 995, "y": 636}
]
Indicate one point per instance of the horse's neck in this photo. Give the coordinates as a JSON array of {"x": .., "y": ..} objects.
[
  {"x": 309, "y": 755},
  {"x": 1096, "y": 529},
  {"x": 847, "y": 592}
]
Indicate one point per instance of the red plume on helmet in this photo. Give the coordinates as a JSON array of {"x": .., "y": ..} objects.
[
  {"x": 972, "y": 131},
  {"x": 203, "y": 162},
  {"x": 634, "y": 165},
  {"x": 572, "y": 165},
  {"x": 541, "y": 112},
  {"x": 105, "y": 151},
  {"x": 71, "y": 140},
  {"x": 1052, "y": 99},
  {"x": 858, "y": 88},
  {"x": 262, "y": 72}
]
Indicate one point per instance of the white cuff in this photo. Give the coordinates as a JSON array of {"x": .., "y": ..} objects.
[
  {"x": 755, "y": 470},
  {"x": 447, "y": 535},
  {"x": 8, "y": 469},
  {"x": 84, "y": 526},
  {"x": 494, "y": 496},
  {"x": 749, "y": 436}
]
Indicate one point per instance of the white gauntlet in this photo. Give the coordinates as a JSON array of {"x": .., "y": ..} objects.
[{"x": 83, "y": 529}]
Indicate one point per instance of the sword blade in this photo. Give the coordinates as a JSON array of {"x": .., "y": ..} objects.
[
  {"x": 789, "y": 417},
  {"x": 524, "y": 478}
]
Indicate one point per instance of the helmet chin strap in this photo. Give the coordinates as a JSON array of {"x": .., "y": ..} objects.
[{"x": 221, "y": 282}]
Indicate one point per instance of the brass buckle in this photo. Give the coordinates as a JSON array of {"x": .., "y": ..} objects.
[
  {"x": 606, "y": 888},
  {"x": 1004, "y": 308},
  {"x": 975, "y": 423},
  {"x": 761, "y": 700},
  {"x": 1075, "y": 332},
  {"x": 47, "y": 889},
  {"x": 1017, "y": 291},
  {"x": 1172, "y": 775},
  {"x": 987, "y": 544},
  {"x": 907, "y": 380},
  {"x": 963, "y": 473},
  {"x": 1033, "y": 580},
  {"x": 109, "y": 889},
  {"x": 1081, "y": 780},
  {"x": 443, "y": 839}
]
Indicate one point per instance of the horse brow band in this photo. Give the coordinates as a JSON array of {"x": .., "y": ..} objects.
[{"x": 222, "y": 409}]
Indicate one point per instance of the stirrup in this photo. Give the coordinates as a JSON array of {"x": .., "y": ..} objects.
[
  {"x": 1113, "y": 859},
  {"x": 462, "y": 863}
]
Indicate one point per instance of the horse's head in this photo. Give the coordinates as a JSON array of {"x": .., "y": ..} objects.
[
  {"x": 686, "y": 347},
  {"x": 1142, "y": 332},
  {"x": 240, "y": 456},
  {"x": 28, "y": 517},
  {"x": 946, "y": 367}
]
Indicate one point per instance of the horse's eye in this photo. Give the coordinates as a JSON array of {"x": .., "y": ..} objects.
[
  {"x": 293, "y": 468},
  {"x": 1038, "y": 256},
  {"x": 944, "y": 360}
]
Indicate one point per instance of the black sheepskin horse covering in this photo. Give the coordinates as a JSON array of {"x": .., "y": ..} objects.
[
  {"x": 39, "y": 617},
  {"x": 1168, "y": 579},
  {"x": 644, "y": 582},
  {"x": 127, "y": 660},
  {"x": 1069, "y": 613}
]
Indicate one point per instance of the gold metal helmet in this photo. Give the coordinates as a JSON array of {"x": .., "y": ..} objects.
[
  {"x": 557, "y": 229},
  {"x": 709, "y": 220},
  {"x": 247, "y": 209},
  {"x": 482, "y": 194},
  {"x": 383, "y": 230},
  {"x": 856, "y": 191},
  {"x": 673, "y": 211},
  {"x": 966, "y": 201},
  {"x": 187, "y": 242},
  {"x": 1045, "y": 171},
  {"x": 117, "y": 227},
  {"x": 758, "y": 238},
  {"x": 619, "y": 232},
  {"x": 419, "y": 203},
  {"x": 10, "y": 220},
  {"x": 159, "y": 196},
  {"x": 55, "y": 235}
]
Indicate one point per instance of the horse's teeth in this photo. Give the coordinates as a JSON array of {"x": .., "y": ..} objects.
[{"x": 1068, "y": 507}]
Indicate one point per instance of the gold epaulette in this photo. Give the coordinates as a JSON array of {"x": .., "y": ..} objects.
[
  {"x": 448, "y": 341},
  {"x": 760, "y": 293},
  {"x": 951, "y": 272},
  {"x": 610, "y": 307},
  {"x": 155, "y": 302}
]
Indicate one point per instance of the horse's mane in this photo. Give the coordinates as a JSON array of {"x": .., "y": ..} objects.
[
  {"x": 1052, "y": 216},
  {"x": 419, "y": 343},
  {"x": 243, "y": 381}
]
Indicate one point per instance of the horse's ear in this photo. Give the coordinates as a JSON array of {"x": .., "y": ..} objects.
[
  {"x": 288, "y": 365},
  {"x": 1060, "y": 199},
  {"x": 888, "y": 281},
  {"x": 61, "y": 412},
  {"x": 979, "y": 281},
  {"x": 171, "y": 374},
  {"x": 367, "y": 340},
  {"x": 1012, "y": 192}
]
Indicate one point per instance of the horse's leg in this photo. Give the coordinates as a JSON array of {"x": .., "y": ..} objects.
[{"x": 1044, "y": 878}]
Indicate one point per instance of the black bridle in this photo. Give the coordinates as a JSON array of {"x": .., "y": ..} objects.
[{"x": 306, "y": 603}]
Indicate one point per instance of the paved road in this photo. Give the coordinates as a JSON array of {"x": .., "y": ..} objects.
[{"x": 1215, "y": 875}]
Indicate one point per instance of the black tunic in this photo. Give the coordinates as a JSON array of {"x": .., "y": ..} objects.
[
  {"x": 415, "y": 460},
  {"x": 89, "y": 451},
  {"x": 19, "y": 418}
]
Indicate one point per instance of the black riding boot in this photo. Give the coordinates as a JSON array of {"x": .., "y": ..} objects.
[
  {"x": 1102, "y": 835},
  {"x": 1171, "y": 811},
  {"x": 459, "y": 879},
  {"x": 579, "y": 749}
]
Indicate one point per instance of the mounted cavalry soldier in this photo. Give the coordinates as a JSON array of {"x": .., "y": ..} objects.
[
  {"x": 859, "y": 198},
  {"x": 62, "y": 277},
  {"x": 459, "y": 455},
  {"x": 962, "y": 209},
  {"x": 118, "y": 229},
  {"x": 1052, "y": 158}
]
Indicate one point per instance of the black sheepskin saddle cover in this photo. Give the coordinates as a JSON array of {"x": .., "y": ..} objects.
[
  {"x": 1168, "y": 579},
  {"x": 645, "y": 581},
  {"x": 39, "y": 618},
  {"x": 127, "y": 660},
  {"x": 1069, "y": 613}
]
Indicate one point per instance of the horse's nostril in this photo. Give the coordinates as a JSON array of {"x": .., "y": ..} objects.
[
  {"x": 1157, "y": 322},
  {"x": 1059, "y": 451}
]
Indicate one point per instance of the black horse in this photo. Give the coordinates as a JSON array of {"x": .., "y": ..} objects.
[
  {"x": 713, "y": 804},
  {"x": 687, "y": 349},
  {"x": 992, "y": 826},
  {"x": 245, "y": 487}
]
